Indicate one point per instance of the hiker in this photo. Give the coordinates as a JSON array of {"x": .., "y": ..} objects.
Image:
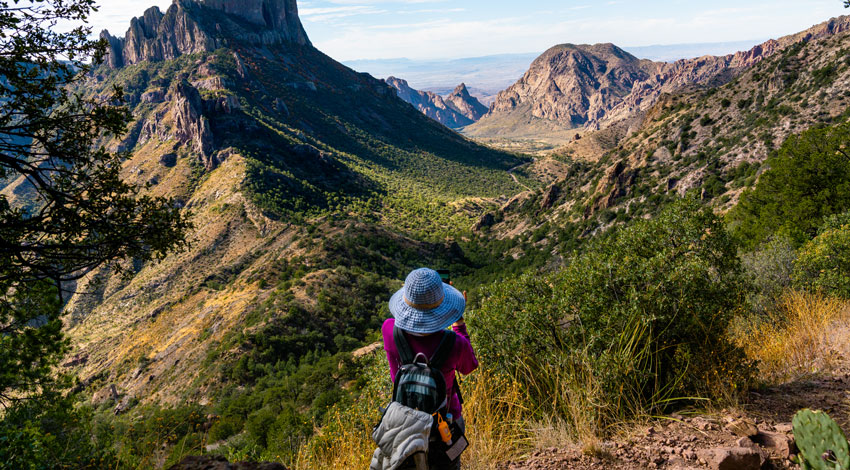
[{"x": 423, "y": 310}]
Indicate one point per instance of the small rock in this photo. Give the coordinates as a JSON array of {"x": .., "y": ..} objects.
[
  {"x": 784, "y": 428},
  {"x": 732, "y": 458},
  {"x": 702, "y": 424},
  {"x": 782, "y": 444},
  {"x": 745, "y": 442},
  {"x": 742, "y": 428},
  {"x": 208, "y": 462}
]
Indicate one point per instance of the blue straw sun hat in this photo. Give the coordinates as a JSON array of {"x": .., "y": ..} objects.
[{"x": 425, "y": 304}]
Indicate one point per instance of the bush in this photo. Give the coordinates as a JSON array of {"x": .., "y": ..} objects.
[
  {"x": 769, "y": 270},
  {"x": 48, "y": 432},
  {"x": 808, "y": 180},
  {"x": 824, "y": 263},
  {"x": 637, "y": 318}
]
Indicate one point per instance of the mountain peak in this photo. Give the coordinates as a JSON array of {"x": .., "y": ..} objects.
[
  {"x": 276, "y": 15},
  {"x": 461, "y": 90},
  {"x": 192, "y": 26}
]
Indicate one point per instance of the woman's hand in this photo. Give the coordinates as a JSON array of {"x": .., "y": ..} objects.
[{"x": 461, "y": 322}]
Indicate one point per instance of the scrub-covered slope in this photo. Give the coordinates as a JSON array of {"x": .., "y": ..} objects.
[{"x": 305, "y": 180}]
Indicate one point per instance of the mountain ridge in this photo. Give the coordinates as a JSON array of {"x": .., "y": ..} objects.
[
  {"x": 538, "y": 99},
  {"x": 457, "y": 109},
  {"x": 182, "y": 29}
]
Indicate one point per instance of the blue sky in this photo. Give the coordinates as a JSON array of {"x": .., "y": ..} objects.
[{"x": 429, "y": 29}]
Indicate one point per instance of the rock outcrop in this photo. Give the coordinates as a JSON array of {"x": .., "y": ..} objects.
[
  {"x": 457, "y": 110},
  {"x": 462, "y": 102},
  {"x": 190, "y": 125},
  {"x": 192, "y": 26}
]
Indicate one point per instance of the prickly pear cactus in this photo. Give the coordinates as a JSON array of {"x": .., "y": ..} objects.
[{"x": 822, "y": 444}]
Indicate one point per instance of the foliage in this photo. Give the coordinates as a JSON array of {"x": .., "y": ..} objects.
[
  {"x": 808, "y": 179},
  {"x": 345, "y": 441},
  {"x": 768, "y": 269},
  {"x": 47, "y": 432},
  {"x": 823, "y": 262},
  {"x": 152, "y": 437},
  {"x": 639, "y": 316},
  {"x": 793, "y": 339},
  {"x": 73, "y": 212}
]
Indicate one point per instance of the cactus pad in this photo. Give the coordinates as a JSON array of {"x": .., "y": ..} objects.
[{"x": 821, "y": 442}]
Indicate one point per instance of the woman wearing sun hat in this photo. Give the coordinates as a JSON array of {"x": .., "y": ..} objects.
[{"x": 423, "y": 307}]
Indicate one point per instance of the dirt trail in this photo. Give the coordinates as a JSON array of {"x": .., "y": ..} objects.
[
  {"x": 680, "y": 443},
  {"x": 516, "y": 180}
]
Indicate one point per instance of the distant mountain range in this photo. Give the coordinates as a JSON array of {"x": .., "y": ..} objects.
[
  {"x": 488, "y": 75},
  {"x": 591, "y": 86}
]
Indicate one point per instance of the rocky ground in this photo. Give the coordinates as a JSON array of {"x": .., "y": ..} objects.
[{"x": 755, "y": 436}]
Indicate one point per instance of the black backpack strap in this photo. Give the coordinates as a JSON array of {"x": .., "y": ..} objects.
[
  {"x": 444, "y": 350},
  {"x": 403, "y": 347}
]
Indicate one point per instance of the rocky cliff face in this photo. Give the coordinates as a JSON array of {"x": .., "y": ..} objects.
[
  {"x": 461, "y": 101},
  {"x": 457, "y": 110},
  {"x": 574, "y": 84},
  {"x": 710, "y": 70},
  {"x": 192, "y": 26},
  {"x": 594, "y": 86}
]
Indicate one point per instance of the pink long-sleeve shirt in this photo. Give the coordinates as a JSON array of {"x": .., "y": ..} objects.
[{"x": 461, "y": 360}]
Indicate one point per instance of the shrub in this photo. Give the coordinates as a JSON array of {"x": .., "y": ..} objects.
[
  {"x": 769, "y": 270},
  {"x": 637, "y": 318},
  {"x": 824, "y": 262},
  {"x": 47, "y": 432},
  {"x": 808, "y": 180}
]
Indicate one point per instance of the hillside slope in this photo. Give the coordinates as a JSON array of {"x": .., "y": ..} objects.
[
  {"x": 709, "y": 141},
  {"x": 298, "y": 173}
]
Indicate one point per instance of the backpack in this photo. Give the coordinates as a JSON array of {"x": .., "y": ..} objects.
[{"x": 419, "y": 383}]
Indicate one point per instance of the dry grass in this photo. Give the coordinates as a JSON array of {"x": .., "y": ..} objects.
[
  {"x": 796, "y": 339},
  {"x": 495, "y": 420},
  {"x": 350, "y": 447}
]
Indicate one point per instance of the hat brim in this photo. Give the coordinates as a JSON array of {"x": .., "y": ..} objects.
[{"x": 428, "y": 321}]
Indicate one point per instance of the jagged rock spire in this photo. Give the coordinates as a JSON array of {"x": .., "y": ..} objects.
[{"x": 185, "y": 29}]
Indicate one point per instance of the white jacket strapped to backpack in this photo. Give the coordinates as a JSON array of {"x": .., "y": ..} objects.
[{"x": 403, "y": 432}]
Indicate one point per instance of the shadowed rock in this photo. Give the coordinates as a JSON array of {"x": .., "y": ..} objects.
[
  {"x": 209, "y": 462},
  {"x": 192, "y": 26}
]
